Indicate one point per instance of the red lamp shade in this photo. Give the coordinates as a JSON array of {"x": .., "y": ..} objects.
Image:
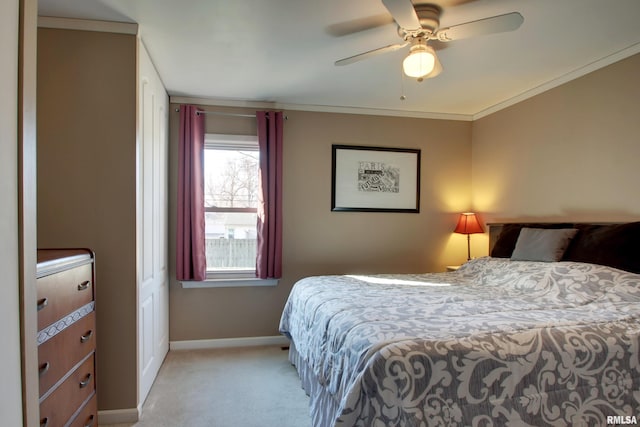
[{"x": 468, "y": 224}]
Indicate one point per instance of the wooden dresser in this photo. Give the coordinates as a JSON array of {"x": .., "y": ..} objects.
[{"x": 67, "y": 338}]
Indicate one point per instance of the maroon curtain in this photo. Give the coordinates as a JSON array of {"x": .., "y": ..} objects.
[
  {"x": 269, "y": 251},
  {"x": 191, "y": 262}
]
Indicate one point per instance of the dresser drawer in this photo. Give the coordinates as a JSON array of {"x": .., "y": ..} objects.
[
  {"x": 59, "y": 354},
  {"x": 61, "y": 293},
  {"x": 59, "y": 406},
  {"x": 88, "y": 416}
]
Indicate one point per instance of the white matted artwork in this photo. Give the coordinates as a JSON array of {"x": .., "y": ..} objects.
[{"x": 375, "y": 179}]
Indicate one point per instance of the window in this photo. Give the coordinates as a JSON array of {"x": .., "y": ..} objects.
[{"x": 231, "y": 177}]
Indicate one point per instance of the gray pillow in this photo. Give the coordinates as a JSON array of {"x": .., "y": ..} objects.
[{"x": 538, "y": 244}]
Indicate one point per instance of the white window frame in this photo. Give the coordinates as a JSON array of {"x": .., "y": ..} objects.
[{"x": 237, "y": 278}]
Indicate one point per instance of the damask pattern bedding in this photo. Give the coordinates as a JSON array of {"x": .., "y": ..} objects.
[{"x": 497, "y": 342}]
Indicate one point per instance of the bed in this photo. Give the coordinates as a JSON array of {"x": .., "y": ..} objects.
[{"x": 507, "y": 339}]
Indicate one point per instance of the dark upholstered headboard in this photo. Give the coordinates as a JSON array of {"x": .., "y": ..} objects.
[
  {"x": 611, "y": 244},
  {"x": 495, "y": 228}
]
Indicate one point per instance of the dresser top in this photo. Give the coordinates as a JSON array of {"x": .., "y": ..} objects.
[{"x": 54, "y": 260}]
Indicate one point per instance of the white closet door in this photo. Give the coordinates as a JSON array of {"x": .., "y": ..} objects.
[{"x": 153, "y": 280}]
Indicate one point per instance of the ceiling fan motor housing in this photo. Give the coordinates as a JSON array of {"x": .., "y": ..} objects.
[{"x": 429, "y": 17}]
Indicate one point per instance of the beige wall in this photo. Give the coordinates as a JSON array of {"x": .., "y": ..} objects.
[
  {"x": 570, "y": 153},
  {"x": 318, "y": 241},
  {"x": 86, "y": 182}
]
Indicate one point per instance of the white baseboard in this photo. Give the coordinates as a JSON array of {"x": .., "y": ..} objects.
[
  {"x": 119, "y": 416},
  {"x": 228, "y": 343}
]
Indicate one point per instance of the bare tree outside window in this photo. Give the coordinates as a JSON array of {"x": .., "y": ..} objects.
[{"x": 233, "y": 182}]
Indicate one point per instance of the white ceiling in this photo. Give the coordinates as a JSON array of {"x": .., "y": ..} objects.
[{"x": 283, "y": 52}]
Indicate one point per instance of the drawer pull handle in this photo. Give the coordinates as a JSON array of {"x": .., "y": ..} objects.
[
  {"x": 84, "y": 285},
  {"x": 91, "y": 419},
  {"x": 86, "y": 337},
  {"x": 86, "y": 381},
  {"x": 44, "y": 422},
  {"x": 42, "y": 303},
  {"x": 44, "y": 368}
]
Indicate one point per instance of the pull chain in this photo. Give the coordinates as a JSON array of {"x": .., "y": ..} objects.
[{"x": 402, "y": 96}]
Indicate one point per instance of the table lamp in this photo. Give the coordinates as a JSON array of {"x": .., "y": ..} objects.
[{"x": 468, "y": 224}]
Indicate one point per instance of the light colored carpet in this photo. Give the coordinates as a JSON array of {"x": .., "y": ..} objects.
[{"x": 243, "y": 387}]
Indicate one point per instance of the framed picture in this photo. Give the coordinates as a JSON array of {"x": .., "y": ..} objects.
[{"x": 375, "y": 179}]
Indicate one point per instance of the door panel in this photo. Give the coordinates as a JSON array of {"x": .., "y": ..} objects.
[{"x": 153, "y": 312}]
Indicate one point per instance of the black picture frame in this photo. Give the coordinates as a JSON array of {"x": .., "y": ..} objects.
[{"x": 375, "y": 179}]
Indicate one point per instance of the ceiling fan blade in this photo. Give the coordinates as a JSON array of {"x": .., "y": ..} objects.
[
  {"x": 496, "y": 24},
  {"x": 357, "y": 25},
  {"x": 370, "y": 53},
  {"x": 404, "y": 13}
]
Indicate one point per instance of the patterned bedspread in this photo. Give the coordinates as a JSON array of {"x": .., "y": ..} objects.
[{"x": 497, "y": 342}]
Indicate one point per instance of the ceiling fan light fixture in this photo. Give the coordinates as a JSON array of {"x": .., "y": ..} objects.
[{"x": 420, "y": 61}]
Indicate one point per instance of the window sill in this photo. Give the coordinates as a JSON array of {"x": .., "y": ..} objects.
[{"x": 229, "y": 283}]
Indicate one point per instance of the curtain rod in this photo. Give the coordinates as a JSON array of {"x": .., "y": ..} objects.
[{"x": 221, "y": 113}]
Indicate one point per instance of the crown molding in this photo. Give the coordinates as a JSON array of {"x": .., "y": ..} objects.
[
  {"x": 87, "y": 25},
  {"x": 221, "y": 102},
  {"x": 377, "y": 112},
  {"x": 317, "y": 108}
]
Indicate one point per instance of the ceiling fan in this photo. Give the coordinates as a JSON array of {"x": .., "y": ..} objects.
[{"x": 418, "y": 24}]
